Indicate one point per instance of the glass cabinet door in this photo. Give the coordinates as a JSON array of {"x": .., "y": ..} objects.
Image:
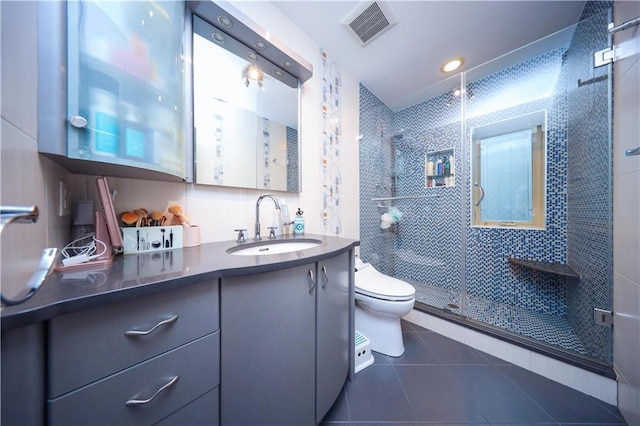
[{"x": 126, "y": 83}]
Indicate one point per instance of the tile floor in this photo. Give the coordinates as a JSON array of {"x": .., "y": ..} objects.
[{"x": 443, "y": 382}]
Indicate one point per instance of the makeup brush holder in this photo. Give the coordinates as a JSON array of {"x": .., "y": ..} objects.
[{"x": 152, "y": 238}]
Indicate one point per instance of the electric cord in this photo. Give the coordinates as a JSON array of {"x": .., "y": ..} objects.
[{"x": 83, "y": 249}]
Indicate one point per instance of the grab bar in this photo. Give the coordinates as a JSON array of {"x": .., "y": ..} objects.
[
  {"x": 12, "y": 214},
  {"x": 632, "y": 151}
]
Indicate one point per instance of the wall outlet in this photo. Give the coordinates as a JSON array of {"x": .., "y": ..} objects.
[{"x": 64, "y": 199}]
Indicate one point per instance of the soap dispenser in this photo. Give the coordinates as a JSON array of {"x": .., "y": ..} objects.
[{"x": 298, "y": 223}]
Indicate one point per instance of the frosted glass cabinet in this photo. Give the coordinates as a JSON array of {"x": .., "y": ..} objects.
[{"x": 125, "y": 87}]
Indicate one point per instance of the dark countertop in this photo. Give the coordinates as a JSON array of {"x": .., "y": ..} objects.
[{"x": 136, "y": 275}]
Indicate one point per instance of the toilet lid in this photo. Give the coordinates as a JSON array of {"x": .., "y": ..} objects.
[{"x": 372, "y": 283}]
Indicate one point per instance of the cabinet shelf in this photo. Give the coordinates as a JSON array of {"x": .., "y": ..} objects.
[{"x": 549, "y": 267}]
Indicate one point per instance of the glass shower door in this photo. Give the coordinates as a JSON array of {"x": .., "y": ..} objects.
[{"x": 575, "y": 98}]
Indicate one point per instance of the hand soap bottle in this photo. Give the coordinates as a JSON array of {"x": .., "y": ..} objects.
[{"x": 298, "y": 223}]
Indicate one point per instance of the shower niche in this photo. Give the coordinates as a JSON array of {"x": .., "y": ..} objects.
[{"x": 439, "y": 168}]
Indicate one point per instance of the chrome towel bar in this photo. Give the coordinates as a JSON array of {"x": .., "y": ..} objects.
[{"x": 13, "y": 214}]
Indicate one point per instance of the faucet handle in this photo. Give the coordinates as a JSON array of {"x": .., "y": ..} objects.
[
  {"x": 241, "y": 238},
  {"x": 272, "y": 232}
]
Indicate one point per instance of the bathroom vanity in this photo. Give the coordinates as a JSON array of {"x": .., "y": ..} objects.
[{"x": 187, "y": 336}]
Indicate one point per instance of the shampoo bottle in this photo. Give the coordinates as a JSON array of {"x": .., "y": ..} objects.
[{"x": 298, "y": 223}]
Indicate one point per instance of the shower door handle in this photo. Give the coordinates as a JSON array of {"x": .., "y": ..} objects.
[
  {"x": 632, "y": 151},
  {"x": 477, "y": 203}
]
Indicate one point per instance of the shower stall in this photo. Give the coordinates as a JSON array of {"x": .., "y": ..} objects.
[{"x": 499, "y": 190}]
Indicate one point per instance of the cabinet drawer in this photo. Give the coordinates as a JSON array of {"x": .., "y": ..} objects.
[
  {"x": 88, "y": 345},
  {"x": 204, "y": 411},
  {"x": 196, "y": 366}
]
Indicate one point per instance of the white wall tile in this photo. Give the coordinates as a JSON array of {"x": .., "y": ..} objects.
[
  {"x": 22, "y": 183},
  {"x": 626, "y": 329},
  {"x": 626, "y": 230},
  {"x": 19, "y": 62},
  {"x": 626, "y": 124},
  {"x": 626, "y": 208}
]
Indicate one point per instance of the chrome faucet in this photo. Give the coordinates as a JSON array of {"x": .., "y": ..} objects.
[{"x": 260, "y": 198}]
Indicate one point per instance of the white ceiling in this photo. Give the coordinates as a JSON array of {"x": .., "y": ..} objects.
[{"x": 402, "y": 66}]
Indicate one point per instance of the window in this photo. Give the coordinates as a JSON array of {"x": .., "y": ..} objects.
[{"x": 508, "y": 172}]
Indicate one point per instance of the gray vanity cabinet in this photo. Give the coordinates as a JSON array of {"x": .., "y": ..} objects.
[
  {"x": 268, "y": 348},
  {"x": 22, "y": 355},
  {"x": 285, "y": 343},
  {"x": 139, "y": 361},
  {"x": 332, "y": 328}
]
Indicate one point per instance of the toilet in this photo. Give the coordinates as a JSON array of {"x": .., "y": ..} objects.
[{"x": 380, "y": 303}]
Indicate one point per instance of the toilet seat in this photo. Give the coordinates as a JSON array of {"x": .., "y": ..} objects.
[{"x": 370, "y": 282}]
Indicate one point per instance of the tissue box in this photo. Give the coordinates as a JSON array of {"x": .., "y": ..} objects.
[{"x": 151, "y": 238}]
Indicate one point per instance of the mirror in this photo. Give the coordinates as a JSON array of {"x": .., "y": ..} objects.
[{"x": 244, "y": 136}]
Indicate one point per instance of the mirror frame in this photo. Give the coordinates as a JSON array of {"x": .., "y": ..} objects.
[{"x": 274, "y": 55}]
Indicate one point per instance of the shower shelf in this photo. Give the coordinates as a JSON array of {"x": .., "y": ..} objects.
[{"x": 550, "y": 267}]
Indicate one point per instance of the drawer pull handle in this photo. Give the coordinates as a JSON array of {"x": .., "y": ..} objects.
[
  {"x": 134, "y": 402},
  {"x": 312, "y": 281},
  {"x": 169, "y": 320},
  {"x": 325, "y": 276}
]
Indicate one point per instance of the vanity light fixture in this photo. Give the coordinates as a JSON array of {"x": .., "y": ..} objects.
[
  {"x": 452, "y": 65},
  {"x": 251, "y": 72}
]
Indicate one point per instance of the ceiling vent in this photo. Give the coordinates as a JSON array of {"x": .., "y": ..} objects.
[{"x": 368, "y": 21}]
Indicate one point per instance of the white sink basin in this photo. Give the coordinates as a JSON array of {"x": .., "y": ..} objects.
[{"x": 273, "y": 247}]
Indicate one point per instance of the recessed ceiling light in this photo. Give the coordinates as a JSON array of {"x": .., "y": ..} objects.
[
  {"x": 218, "y": 37},
  {"x": 225, "y": 21},
  {"x": 452, "y": 65}
]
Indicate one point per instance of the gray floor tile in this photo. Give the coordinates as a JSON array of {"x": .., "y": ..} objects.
[
  {"x": 560, "y": 402},
  {"x": 435, "y": 395},
  {"x": 497, "y": 398},
  {"x": 339, "y": 411},
  {"x": 438, "y": 381},
  {"x": 377, "y": 395},
  {"x": 416, "y": 351}
]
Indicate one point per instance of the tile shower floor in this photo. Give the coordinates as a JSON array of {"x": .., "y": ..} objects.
[
  {"x": 546, "y": 328},
  {"x": 439, "y": 381}
]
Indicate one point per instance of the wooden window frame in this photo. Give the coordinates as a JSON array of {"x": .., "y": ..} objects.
[{"x": 538, "y": 176}]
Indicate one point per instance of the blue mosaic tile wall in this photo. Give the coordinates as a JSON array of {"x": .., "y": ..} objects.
[
  {"x": 376, "y": 129},
  {"x": 537, "y": 84},
  {"x": 434, "y": 246},
  {"x": 589, "y": 226}
]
